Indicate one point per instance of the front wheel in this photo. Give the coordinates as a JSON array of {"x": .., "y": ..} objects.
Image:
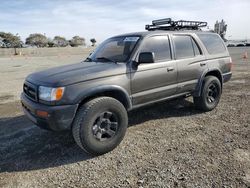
[
  {"x": 210, "y": 94},
  {"x": 100, "y": 125}
]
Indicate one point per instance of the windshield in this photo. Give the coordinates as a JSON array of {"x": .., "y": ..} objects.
[{"x": 117, "y": 49}]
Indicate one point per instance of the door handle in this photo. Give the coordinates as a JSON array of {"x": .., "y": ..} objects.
[
  {"x": 203, "y": 64},
  {"x": 170, "y": 69}
]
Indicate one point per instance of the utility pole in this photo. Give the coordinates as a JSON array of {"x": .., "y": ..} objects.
[{"x": 221, "y": 28}]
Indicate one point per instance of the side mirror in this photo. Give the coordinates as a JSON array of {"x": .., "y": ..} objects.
[{"x": 146, "y": 57}]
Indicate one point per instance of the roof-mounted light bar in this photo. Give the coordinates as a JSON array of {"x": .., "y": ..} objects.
[{"x": 162, "y": 21}]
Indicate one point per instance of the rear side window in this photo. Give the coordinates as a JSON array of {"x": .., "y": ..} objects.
[
  {"x": 159, "y": 45},
  {"x": 185, "y": 47},
  {"x": 213, "y": 43}
]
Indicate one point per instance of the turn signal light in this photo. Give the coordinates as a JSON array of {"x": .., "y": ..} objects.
[
  {"x": 59, "y": 93},
  {"x": 41, "y": 113}
]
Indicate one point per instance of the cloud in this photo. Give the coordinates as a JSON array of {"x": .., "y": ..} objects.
[{"x": 102, "y": 19}]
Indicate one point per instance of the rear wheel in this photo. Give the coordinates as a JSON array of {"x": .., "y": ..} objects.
[
  {"x": 100, "y": 125},
  {"x": 210, "y": 94}
]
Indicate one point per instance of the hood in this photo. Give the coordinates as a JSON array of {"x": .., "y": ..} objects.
[{"x": 70, "y": 74}]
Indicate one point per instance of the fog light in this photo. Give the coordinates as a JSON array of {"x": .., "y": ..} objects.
[{"x": 41, "y": 113}]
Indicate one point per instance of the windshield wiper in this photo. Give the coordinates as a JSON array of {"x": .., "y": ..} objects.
[
  {"x": 107, "y": 59},
  {"x": 88, "y": 59}
]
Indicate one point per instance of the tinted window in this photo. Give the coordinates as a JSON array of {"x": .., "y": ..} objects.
[
  {"x": 117, "y": 49},
  {"x": 183, "y": 47},
  {"x": 213, "y": 43},
  {"x": 159, "y": 45}
]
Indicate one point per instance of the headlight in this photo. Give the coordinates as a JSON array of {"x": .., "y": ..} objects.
[{"x": 50, "y": 94}]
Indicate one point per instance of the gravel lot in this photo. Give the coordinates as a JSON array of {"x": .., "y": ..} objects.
[{"x": 167, "y": 145}]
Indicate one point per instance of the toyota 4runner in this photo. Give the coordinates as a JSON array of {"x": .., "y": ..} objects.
[{"x": 91, "y": 98}]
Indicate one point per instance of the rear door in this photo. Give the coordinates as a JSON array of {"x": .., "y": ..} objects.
[
  {"x": 190, "y": 62},
  {"x": 218, "y": 55},
  {"x": 158, "y": 80}
]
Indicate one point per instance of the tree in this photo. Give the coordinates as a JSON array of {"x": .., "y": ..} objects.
[
  {"x": 50, "y": 43},
  {"x": 93, "y": 41},
  {"x": 60, "y": 41},
  {"x": 37, "y": 40},
  {"x": 8, "y": 40},
  {"x": 77, "y": 41}
]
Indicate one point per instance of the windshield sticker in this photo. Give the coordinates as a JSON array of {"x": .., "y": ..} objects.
[{"x": 131, "y": 39}]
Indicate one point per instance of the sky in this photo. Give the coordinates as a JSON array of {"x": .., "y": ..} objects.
[{"x": 106, "y": 18}]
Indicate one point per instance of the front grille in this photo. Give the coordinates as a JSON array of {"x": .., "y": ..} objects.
[{"x": 30, "y": 90}]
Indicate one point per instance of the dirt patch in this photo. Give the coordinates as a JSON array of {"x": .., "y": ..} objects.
[
  {"x": 242, "y": 155},
  {"x": 6, "y": 97}
]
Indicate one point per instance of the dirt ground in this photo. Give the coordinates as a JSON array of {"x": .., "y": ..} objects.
[{"x": 168, "y": 144}]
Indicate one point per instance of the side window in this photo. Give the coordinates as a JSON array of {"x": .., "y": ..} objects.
[
  {"x": 183, "y": 46},
  {"x": 159, "y": 45},
  {"x": 197, "y": 50},
  {"x": 212, "y": 42}
]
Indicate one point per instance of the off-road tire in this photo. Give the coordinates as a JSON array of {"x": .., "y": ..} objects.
[
  {"x": 202, "y": 102},
  {"x": 82, "y": 127}
]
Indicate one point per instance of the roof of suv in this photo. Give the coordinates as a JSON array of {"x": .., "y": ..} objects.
[{"x": 148, "y": 33}]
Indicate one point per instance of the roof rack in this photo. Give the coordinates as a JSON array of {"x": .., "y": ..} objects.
[{"x": 169, "y": 24}]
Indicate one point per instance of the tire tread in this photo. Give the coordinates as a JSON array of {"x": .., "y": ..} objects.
[
  {"x": 199, "y": 102},
  {"x": 81, "y": 113}
]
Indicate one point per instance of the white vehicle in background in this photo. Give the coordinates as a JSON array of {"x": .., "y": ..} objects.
[
  {"x": 240, "y": 45},
  {"x": 231, "y": 45},
  {"x": 247, "y": 44}
]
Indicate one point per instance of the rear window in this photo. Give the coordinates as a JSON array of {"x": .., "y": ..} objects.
[{"x": 213, "y": 43}]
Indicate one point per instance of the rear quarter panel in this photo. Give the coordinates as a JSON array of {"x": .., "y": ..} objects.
[{"x": 220, "y": 61}]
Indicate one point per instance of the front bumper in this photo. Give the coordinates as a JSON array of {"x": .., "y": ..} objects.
[{"x": 59, "y": 117}]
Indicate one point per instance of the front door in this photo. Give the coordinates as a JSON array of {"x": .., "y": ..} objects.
[{"x": 158, "y": 80}]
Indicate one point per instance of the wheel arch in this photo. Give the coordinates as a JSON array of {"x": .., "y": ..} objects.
[
  {"x": 211, "y": 72},
  {"x": 113, "y": 91}
]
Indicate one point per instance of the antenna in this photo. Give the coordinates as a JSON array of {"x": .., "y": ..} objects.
[{"x": 170, "y": 25}]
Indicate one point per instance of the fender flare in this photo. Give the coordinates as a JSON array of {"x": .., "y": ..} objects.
[
  {"x": 99, "y": 90},
  {"x": 198, "y": 88}
]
